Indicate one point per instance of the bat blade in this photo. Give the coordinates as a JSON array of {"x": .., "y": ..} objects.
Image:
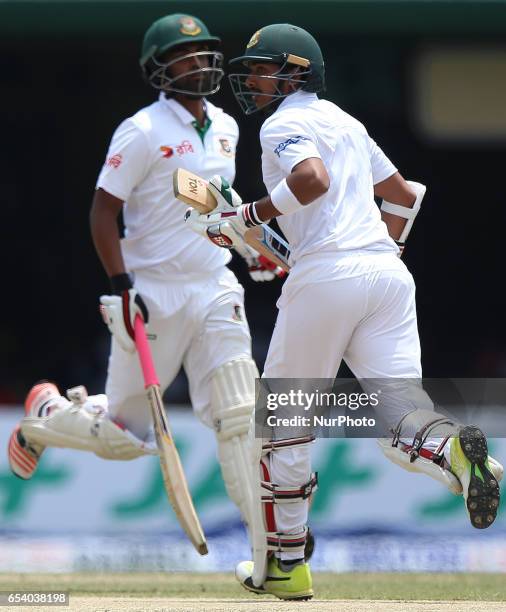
[
  {"x": 173, "y": 475},
  {"x": 192, "y": 189}
]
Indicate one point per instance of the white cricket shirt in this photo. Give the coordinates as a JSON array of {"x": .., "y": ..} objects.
[
  {"x": 144, "y": 152},
  {"x": 346, "y": 218}
]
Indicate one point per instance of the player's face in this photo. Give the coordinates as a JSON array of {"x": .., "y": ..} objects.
[
  {"x": 261, "y": 79},
  {"x": 189, "y": 68}
]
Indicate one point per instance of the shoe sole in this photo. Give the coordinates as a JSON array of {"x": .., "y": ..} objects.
[
  {"x": 483, "y": 495},
  {"x": 251, "y": 588},
  {"x": 293, "y": 598},
  {"x": 248, "y": 586},
  {"x": 22, "y": 463}
]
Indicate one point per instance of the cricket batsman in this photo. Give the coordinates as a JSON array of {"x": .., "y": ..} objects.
[
  {"x": 348, "y": 296},
  {"x": 176, "y": 281}
]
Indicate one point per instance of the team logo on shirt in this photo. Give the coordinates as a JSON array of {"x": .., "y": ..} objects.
[
  {"x": 254, "y": 39},
  {"x": 225, "y": 147},
  {"x": 114, "y": 161},
  {"x": 293, "y": 140},
  {"x": 167, "y": 151},
  {"x": 189, "y": 26}
]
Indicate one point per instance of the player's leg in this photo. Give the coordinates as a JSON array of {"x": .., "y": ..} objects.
[
  {"x": 117, "y": 425},
  {"x": 221, "y": 376},
  {"x": 385, "y": 349},
  {"x": 285, "y": 465},
  {"x": 79, "y": 422}
]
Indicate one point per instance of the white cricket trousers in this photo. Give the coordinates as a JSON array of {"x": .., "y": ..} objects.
[
  {"x": 360, "y": 309},
  {"x": 198, "y": 324}
]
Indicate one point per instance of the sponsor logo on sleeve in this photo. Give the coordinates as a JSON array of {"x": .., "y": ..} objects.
[
  {"x": 114, "y": 161},
  {"x": 293, "y": 140}
]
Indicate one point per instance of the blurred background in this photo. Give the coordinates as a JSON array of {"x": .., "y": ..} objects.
[{"x": 427, "y": 78}]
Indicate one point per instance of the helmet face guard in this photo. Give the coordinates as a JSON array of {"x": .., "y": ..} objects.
[
  {"x": 245, "y": 96},
  {"x": 158, "y": 75}
]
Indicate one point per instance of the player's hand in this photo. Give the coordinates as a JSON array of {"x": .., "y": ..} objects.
[
  {"x": 225, "y": 228},
  {"x": 213, "y": 228},
  {"x": 259, "y": 267},
  {"x": 226, "y": 197},
  {"x": 119, "y": 312}
]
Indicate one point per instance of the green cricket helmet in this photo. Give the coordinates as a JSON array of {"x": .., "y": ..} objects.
[
  {"x": 292, "y": 48},
  {"x": 170, "y": 32}
]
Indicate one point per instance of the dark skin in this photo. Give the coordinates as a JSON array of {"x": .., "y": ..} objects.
[
  {"x": 105, "y": 207},
  {"x": 309, "y": 180}
]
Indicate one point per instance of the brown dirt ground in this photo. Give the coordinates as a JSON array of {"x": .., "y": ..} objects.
[{"x": 133, "y": 604}]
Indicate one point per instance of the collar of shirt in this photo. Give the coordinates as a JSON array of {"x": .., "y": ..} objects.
[
  {"x": 298, "y": 98},
  {"x": 184, "y": 115}
]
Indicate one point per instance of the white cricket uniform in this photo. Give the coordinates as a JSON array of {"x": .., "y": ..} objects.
[
  {"x": 195, "y": 302},
  {"x": 348, "y": 295}
]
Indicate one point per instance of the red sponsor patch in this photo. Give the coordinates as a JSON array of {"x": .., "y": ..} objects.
[
  {"x": 185, "y": 147},
  {"x": 114, "y": 160},
  {"x": 167, "y": 151}
]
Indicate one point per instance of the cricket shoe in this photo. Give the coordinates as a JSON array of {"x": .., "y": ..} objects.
[
  {"x": 23, "y": 455},
  {"x": 294, "y": 584},
  {"x": 478, "y": 473}
]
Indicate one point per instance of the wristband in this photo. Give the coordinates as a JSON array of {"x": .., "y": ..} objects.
[
  {"x": 250, "y": 216},
  {"x": 120, "y": 283},
  {"x": 284, "y": 200}
]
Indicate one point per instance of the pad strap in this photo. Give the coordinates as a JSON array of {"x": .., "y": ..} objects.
[
  {"x": 273, "y": 445},
  {"x": 287, "y": 495},
  {"x": 287, "y": 542}
]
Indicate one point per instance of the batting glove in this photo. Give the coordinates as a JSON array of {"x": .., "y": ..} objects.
[
  {"x": 225, "y": 229},
  {"x": 259, "y": 267},
  {"x": 226, "y": 197},
  {"x": 119, "y": 311},
  {"x": 229, "y": 221}
]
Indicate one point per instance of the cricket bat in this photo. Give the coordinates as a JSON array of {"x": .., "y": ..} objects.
[
  {"x": 172, "y": 470},
  {"x": 192, "y": 189}
]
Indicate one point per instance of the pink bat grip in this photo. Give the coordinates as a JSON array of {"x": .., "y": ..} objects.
[{"x": 144, "y": 352}]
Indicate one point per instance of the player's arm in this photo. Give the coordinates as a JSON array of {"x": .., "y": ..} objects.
[
  {"x": 104, "y": 213},
  {"x": 120, "y": 309},
  {"x": 395, "y": 189},
  {"x": 308, "y": 181},
  {"x": 401, "y": 203}
]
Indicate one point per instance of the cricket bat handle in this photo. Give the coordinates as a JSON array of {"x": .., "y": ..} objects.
[{"x": 144, "y": 352}]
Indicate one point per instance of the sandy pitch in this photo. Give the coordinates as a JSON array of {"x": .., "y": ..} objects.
[{"x": 135, "y": 604}]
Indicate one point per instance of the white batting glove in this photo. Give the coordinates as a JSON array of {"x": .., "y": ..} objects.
[
  {"x": 119, "y": 311},
  {"x": 259, "y": 267},
  {"x": 220, "y": 233},
  {"x": 225, "y": 228},
  {"x": 226, "y": 196}
]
